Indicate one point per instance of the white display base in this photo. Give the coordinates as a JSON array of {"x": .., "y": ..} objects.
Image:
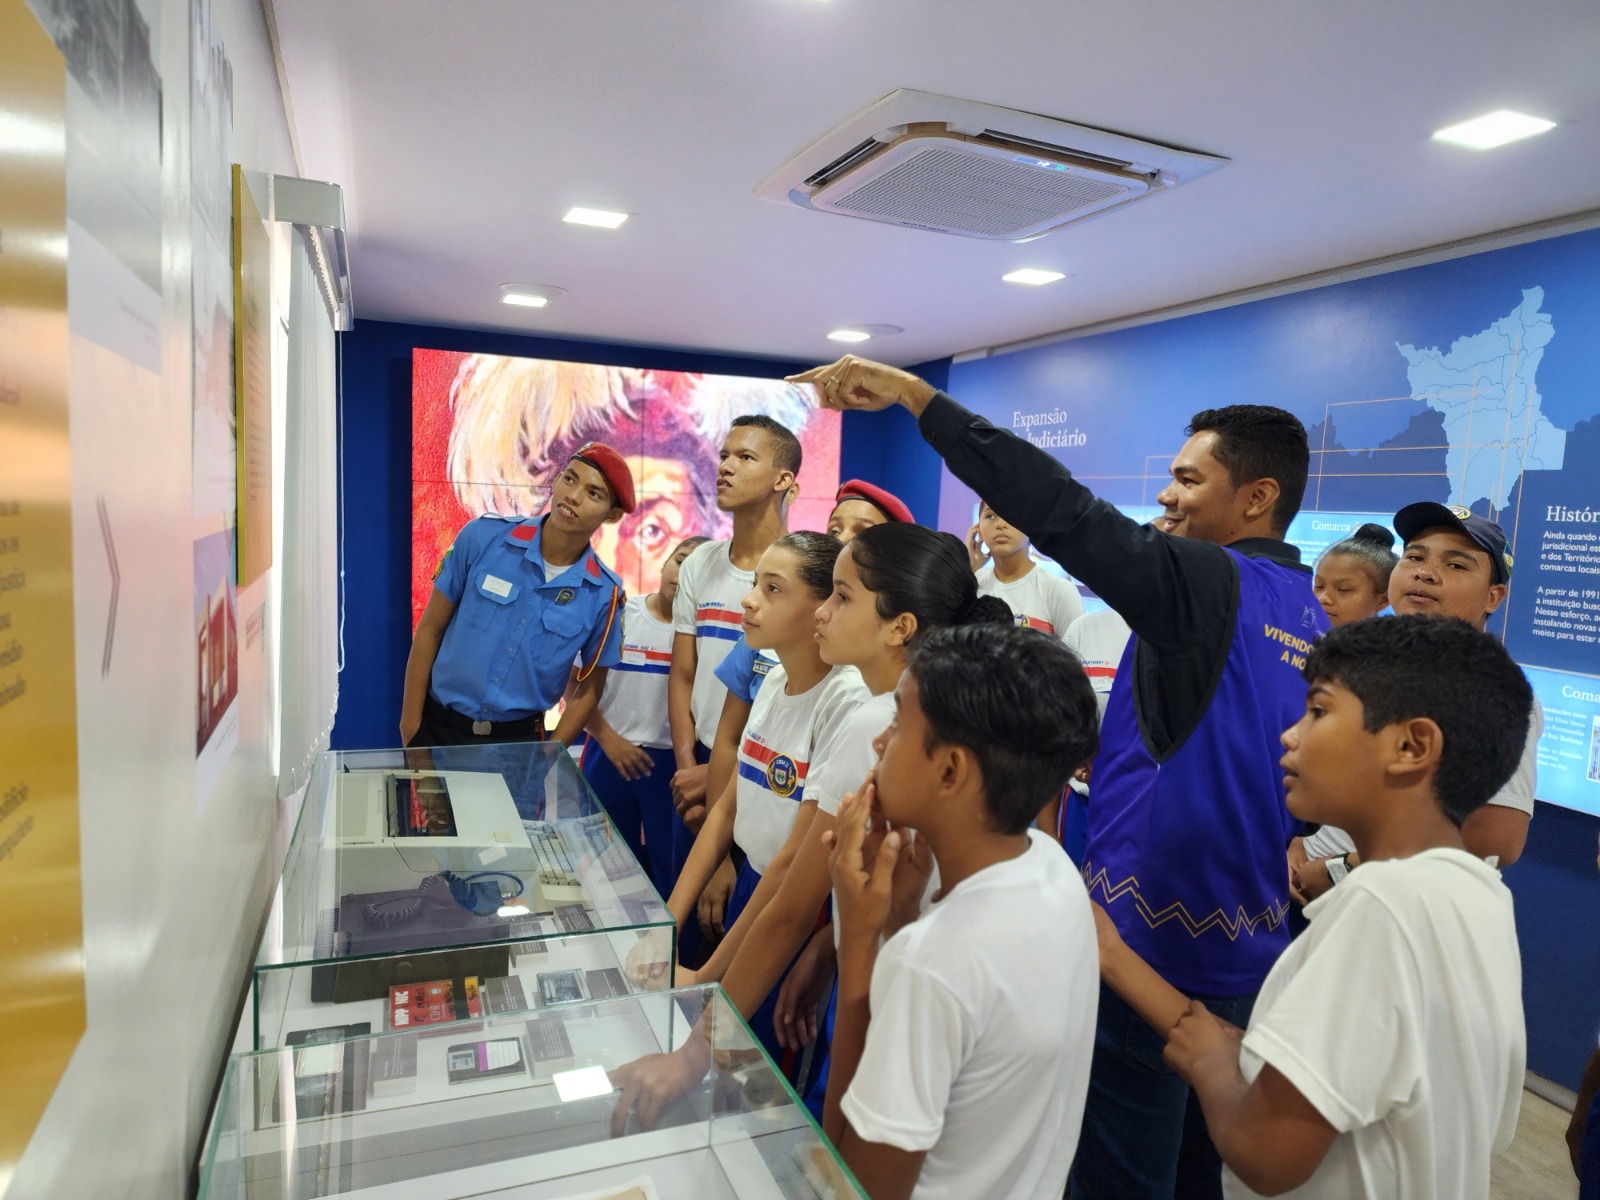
[{"x": 582, "y": 952}]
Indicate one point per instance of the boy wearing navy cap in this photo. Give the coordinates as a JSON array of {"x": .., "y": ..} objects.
[
  {"x": 514, "y": 603},
  {"x": 1455, "y": 564}
]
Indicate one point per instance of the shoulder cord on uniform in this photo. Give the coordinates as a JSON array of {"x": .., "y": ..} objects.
[{"x": 585, "y": 672}]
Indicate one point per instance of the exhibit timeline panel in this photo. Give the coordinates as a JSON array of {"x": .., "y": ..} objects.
[
  {"x": 1472, "y": 382},
  {"x": 42, "y": 1012}
]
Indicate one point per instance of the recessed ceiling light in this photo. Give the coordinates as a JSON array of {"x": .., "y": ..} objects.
[
  {"x": 1493, "y": 129},
  {"x": 862, "y": 333},
  {"x": 529, "y": 295},
  {"x": 1032, "y": 275},
  {"x": 598, "y": 217}
]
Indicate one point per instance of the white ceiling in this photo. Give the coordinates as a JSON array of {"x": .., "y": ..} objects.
[{"x": 462, "y": 132}]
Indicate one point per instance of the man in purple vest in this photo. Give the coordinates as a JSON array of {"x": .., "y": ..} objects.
[{"x": 1188, "y": 824}]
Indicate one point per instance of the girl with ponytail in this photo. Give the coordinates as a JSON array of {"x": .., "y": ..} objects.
[{"x": 804, "y": 701}]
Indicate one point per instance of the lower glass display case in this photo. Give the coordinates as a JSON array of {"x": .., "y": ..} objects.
[
  {"x": 427, "y": 886},
  {"x": 533, "y": 1106}
]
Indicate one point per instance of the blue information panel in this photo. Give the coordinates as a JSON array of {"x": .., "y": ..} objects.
[{"x": 1473, "y": 382}]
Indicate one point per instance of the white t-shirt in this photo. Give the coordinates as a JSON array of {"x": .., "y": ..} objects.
[
  {"x": 782, "y": 738},
  {"x": 635, "y": 700},
  {"x": 850, "y": 754},
  {"x": 1517, "y": 793},
  {"x": 1398, "y": 1016},
  {"x": 1098, "y": 639},
  {"x": 1039, "y": 599},
  {"x": 708, "y": 606},
  {"x": 983, "y": 1014}
]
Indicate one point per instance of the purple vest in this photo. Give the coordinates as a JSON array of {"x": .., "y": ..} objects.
[{"x": 1187, "y": 854}]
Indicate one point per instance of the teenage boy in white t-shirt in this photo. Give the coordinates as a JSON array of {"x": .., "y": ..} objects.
[
  {"x": 758, "y": 465},
  {"x": 1385, "y": 1054},
  {"x": 1041, "y": 600},
  {"x": 961, "y": 1047}
]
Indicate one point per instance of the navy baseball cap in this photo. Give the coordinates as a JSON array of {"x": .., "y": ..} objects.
[{"x": 1411, "y": 520}]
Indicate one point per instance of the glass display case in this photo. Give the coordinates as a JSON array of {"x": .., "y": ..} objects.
[
  {"x": 536, "y": 1106},
  {"x": 424, "y": 886}
]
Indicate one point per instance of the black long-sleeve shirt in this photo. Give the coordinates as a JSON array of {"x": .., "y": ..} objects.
[{"x": 1178, "y": 595}]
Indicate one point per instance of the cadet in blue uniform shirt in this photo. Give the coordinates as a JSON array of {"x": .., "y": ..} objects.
[{"x": 514, "y": 603}]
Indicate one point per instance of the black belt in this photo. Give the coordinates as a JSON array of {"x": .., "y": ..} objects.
[{"x": 451, "y": 719}]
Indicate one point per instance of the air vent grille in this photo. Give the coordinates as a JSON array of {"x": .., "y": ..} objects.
[
  {"x": 985, "y": 197},
  {"x": 844, "y": 162}
]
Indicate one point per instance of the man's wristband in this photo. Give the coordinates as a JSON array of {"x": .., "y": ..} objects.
[{"x": 1338, "y": 868}]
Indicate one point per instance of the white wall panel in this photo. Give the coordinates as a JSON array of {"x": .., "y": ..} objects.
[{"x": 173, "y": 888}]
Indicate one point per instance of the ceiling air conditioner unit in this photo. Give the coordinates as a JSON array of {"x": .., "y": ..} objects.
[{"x": 954, "y": 166}]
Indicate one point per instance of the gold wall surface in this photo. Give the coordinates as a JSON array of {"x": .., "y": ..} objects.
[
  {"x": 252, "y": 378},
  {"x": 42, "y": 1010}
]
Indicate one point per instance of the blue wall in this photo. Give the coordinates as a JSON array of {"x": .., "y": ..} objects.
[
  {"x": 375, "y": 442},
  {"x": 1349, "y": 360}
]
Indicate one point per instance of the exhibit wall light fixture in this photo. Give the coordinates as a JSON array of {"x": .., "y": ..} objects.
[{"x": 317, "y": 210}]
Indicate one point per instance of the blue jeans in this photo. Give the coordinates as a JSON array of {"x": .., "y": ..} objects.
[
  {"x": 641, "y": 809},
  {"x": 1144, "y": 1137}
]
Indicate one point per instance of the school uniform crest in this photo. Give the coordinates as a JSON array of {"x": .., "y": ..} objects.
[
  {"x": 782, "y": 776},
  {"x": 564, "y": 596}
]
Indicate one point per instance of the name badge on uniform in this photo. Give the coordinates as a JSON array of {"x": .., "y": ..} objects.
[
  {"x": 564, "y": 596},
  {"x": 498, "y": 587}
]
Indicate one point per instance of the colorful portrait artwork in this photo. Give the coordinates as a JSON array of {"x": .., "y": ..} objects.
[{"x": 489, "y": 432}]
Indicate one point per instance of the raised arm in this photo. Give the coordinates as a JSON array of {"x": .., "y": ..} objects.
[{"x": 1170, "y": 590}]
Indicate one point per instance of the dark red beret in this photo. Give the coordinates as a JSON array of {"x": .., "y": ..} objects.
[
  {"x": 615, "y": 469},
  {"x": 891, "y": 505}
]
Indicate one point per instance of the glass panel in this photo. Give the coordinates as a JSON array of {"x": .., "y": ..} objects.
[
  {"x": 760, "y": 1128},
  {"x": 449, "y": 884},
  {"x": 523, "y": 1107}
]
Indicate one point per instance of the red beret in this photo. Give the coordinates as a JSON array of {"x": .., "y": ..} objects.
[
  {"x": 891, "y": 505},
  {"x": 615, "y": 469}
]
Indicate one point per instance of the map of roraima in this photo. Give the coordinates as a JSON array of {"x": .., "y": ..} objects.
[{"x": 1485, "y": 387}]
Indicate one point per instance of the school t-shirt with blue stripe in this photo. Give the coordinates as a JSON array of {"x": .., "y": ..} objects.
[
  {"x": 783, "y": 737},
  {"x": 635, "y": 700},
  {"x": 709, "y": 606}
]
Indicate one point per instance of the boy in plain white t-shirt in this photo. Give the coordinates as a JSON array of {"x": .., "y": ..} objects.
[
  {"x": 1039, "y": 599},
  {"x": 1385, "y": 1054},
  {"x": 961, "y": 1047}
]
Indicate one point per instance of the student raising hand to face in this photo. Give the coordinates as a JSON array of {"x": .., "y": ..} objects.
[{"x": 879, "y": 874}]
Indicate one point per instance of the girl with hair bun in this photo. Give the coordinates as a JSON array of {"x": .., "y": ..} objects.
[
  {"x": 1351, "y": 583},
  {"x": 1352, "y": 576},
  {"x": 891, "y": 585}
]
